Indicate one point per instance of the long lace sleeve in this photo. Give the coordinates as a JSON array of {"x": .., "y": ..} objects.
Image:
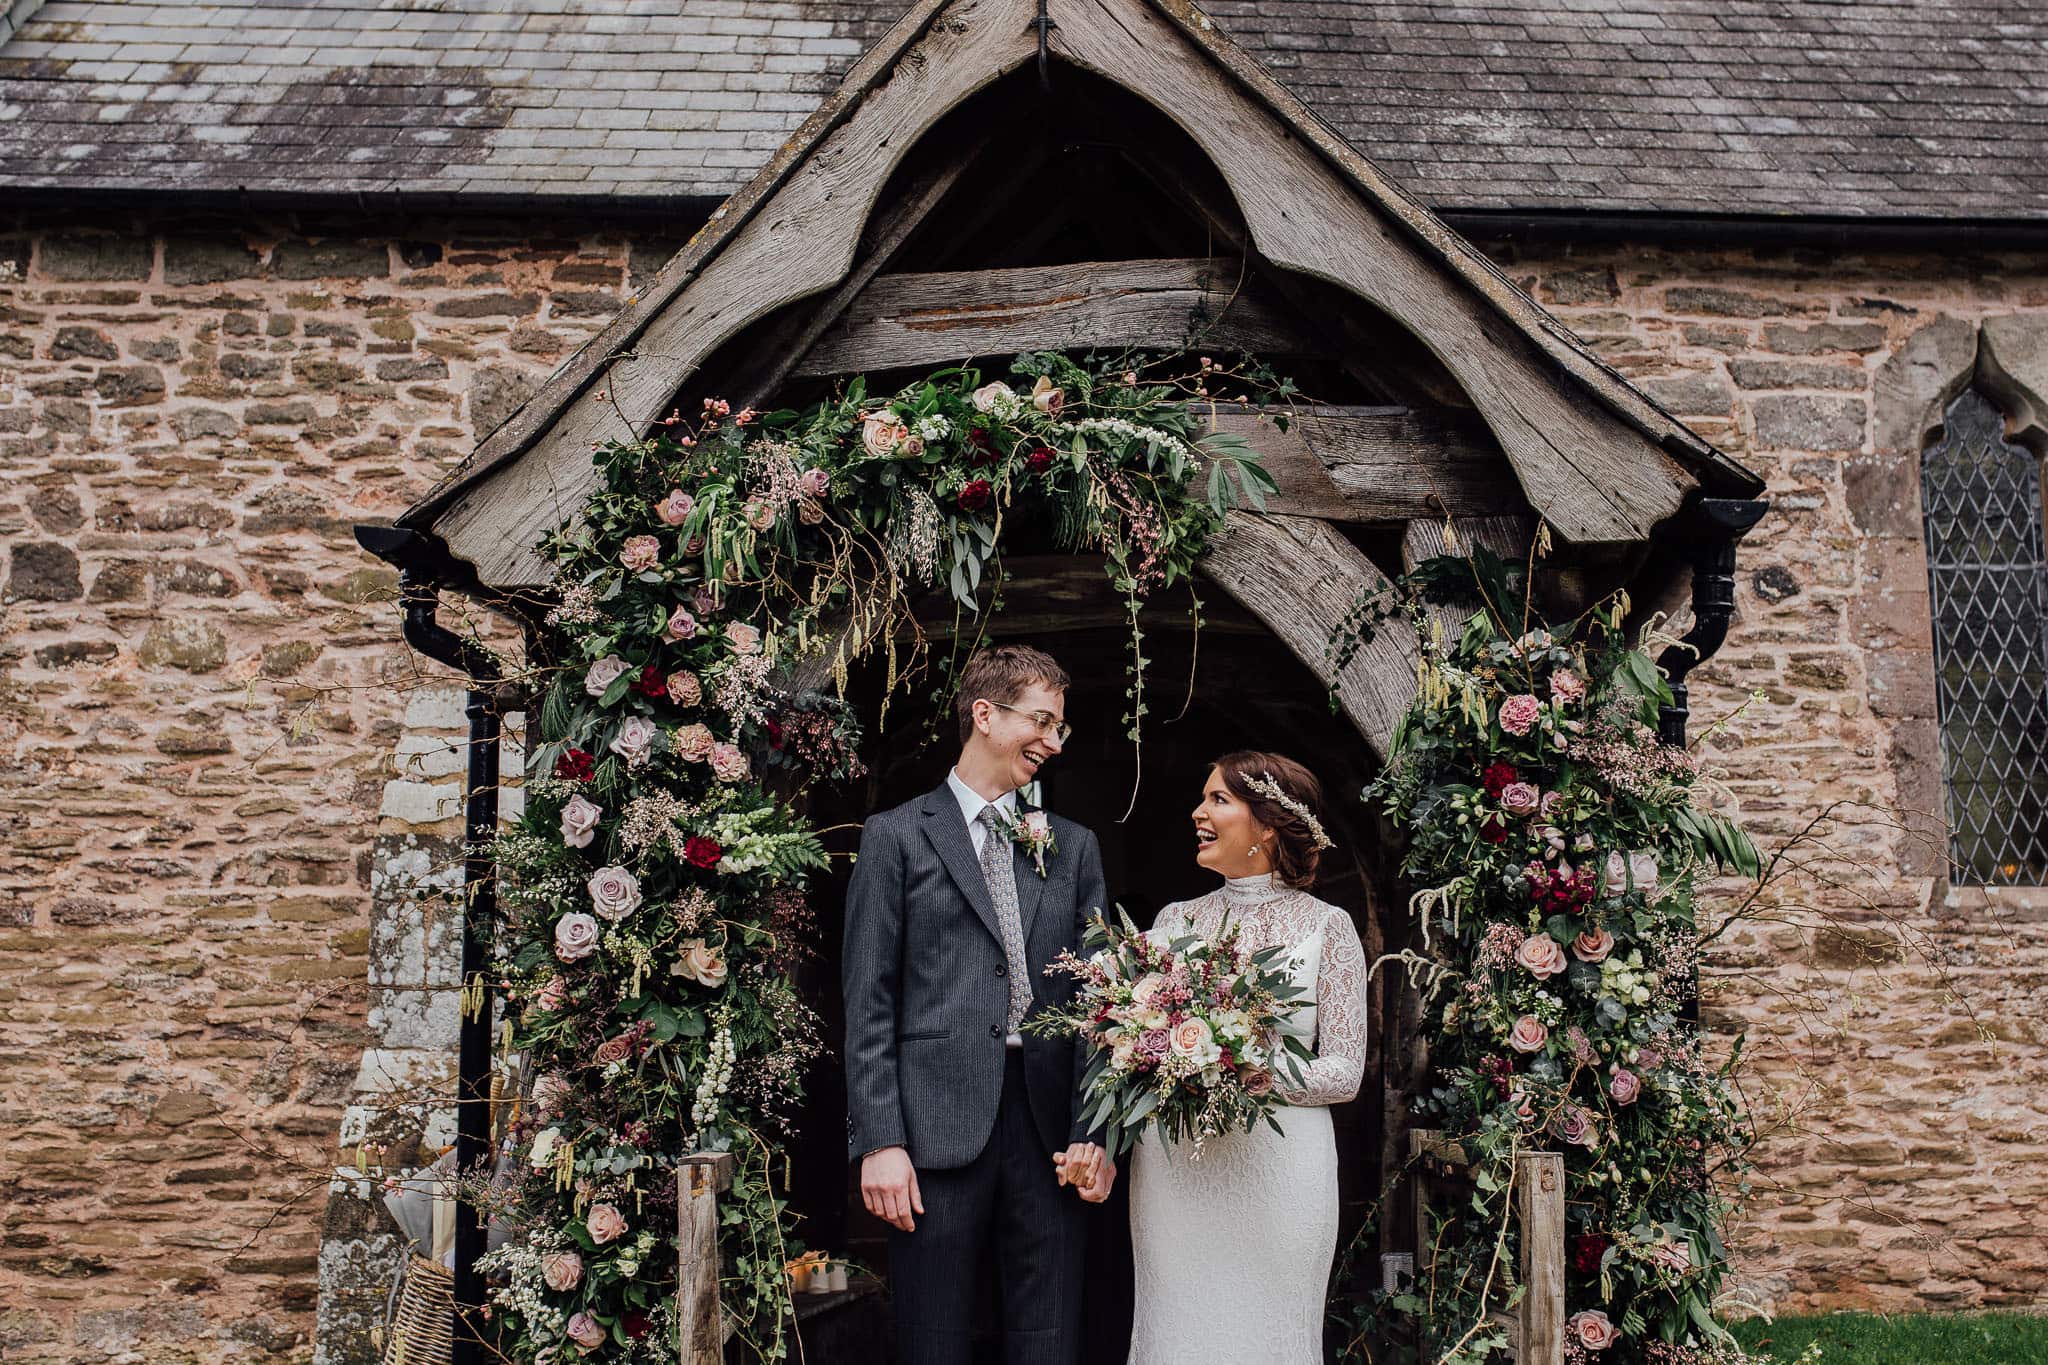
[{"x": 1339, "y": 1066}]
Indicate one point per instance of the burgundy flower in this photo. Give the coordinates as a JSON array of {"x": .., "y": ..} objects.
[
  {"x": 1587, "y": 1249},
  {"x": 702, "y": 852},
  {"x": 652, "y": 683},
  {"x": 774, "y": 729},
  {"x": 637, "y": 1324},
  {"x": 975, "y": 495},
  {"x": 1494, "y": 834},
  {"x": 1498, "y": 777},
  {"x": 575, "y": 766},
  {"x": 1039, "y": 460}
]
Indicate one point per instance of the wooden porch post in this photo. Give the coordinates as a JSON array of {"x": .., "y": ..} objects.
[{"x": 700, "y": 1328}]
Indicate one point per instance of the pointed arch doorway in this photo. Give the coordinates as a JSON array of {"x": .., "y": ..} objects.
[{"x": 1231, "y": 684}]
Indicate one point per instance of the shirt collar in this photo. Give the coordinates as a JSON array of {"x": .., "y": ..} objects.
[{"x": 971, "y": 802}]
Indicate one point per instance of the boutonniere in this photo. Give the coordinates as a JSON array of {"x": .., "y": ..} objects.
[{"x": 1033, "y": 834}]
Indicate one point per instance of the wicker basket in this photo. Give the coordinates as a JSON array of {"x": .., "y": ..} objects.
[{"x": 422, "y": 1329}]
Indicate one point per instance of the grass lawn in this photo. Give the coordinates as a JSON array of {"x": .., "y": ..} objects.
[{"x": 1906, "y": 1339}]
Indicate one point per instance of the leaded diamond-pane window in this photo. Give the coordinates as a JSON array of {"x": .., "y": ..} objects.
[{"x": 1983, "y": 500}]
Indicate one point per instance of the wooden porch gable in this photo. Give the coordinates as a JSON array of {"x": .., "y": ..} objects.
[{"x": 1580, "y": 446}]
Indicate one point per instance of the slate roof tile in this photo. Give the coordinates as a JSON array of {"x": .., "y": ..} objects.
[{"x": 1931, "y": 109}]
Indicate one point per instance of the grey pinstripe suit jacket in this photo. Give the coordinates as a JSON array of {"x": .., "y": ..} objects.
[{"x": 926, "y": 987}]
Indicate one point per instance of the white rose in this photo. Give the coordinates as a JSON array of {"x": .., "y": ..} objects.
[
  {"x": 579, "y": 821},
  {"x": 575, "y": 936},
  {"x": 614, "y": 892},
  {"x": 635, "y": 740},
  {"x": 544, "y": 1144},
  {"x": 1642, "y": 865},
  {"x": 603, "y": 674},
  {"x": 701, "y": 962}
]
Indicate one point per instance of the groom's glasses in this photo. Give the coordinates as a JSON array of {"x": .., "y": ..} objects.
[{"x": 1045, "y": 722}]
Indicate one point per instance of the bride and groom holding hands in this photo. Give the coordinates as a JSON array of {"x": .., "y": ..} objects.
[{"x": 968, "y": 1128}]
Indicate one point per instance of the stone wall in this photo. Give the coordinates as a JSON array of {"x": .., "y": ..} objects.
[
  {"x": 224, "y": 774},
  {"x": 217, "y": 795},
  {"x": 1897, "y": 1053}
]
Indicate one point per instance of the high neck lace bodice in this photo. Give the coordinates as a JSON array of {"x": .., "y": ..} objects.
[{"x": 1240, "y": 892}]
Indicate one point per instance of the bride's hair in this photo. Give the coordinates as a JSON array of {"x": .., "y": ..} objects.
[{"x": 1295, "y": 816}]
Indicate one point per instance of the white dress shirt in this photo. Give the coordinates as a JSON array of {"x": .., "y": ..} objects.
[{"x": 972, "y": 804}]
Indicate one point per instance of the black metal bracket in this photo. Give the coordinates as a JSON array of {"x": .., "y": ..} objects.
[
  {"x": 1710, "y": 530},
  {"x": 1044, "y": 24}
]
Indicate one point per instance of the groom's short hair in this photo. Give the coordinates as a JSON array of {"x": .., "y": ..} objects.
[{"x": 1002, "y": 673}]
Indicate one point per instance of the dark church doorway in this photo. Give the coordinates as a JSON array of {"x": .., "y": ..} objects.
[{"x": 1248, "y": 691}]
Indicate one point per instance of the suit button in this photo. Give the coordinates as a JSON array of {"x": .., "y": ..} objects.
[
  {"x": 995, "y": 1030},
  {"x": 1002, "y": 971}
]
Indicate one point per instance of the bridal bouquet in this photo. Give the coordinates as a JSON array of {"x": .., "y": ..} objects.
[{"x": 1186, "y": 1032}]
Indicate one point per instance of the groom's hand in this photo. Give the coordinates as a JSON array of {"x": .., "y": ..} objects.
[
  {"x": 1081, "y": 1166},
  {"x": 1098, "y": 1190},
  {"x": 888, "y": 1186}
]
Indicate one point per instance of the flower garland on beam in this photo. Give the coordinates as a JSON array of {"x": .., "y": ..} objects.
[
  {"x": 653, "y": 894},
  {"x": 1554, "y": 848}
]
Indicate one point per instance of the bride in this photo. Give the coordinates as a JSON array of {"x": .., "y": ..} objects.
[{"x": 1233, "y": 1248}]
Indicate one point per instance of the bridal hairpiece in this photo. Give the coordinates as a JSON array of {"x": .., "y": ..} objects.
[{"x": 1265, "y": 785}]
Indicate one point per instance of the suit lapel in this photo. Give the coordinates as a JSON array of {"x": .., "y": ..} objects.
[
  {"x": 947, "y": 832},
  {"x": 1030, "y": 886}
]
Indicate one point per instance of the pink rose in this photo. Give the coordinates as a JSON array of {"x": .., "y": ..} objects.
[
  {"x": 1520, "y": 798},
  {"x": 1046, "y": 398},
  {"x": 1518, "y": 713},
  {"x": 1575, "y": 1126},
  {"x": 684, "y": 689},
  {"x": 640, "y": 552},
  {"x": 1675, "y": 1257},
  {"x": 810, "y": 511},
  {"x": 602, "y": 674},
  {"x": 1525, "y": 1108},
  {"x": 605, "y": 1223},
  {"x": 911, "y": 446},
  {"x": 1592, "y": 1328},
  {"x": 552, "y": 993},
  {"x": 1190, "y": 1038},
  {"x": 635, "y": 740},
  {"x": 1624, "y": 1085},
  {"x": 692, "y": 742},
  {"x": 587, "y": 1332},
  {"x": 1257, "y": 1081},
  {"x": 693, "y": 547},
  {"x": 1549, "y": 804},
  {"x": 1593, "y": 945},
  {"x": 814, "y": 483},
  {"x": 1567, "y": 687},
  {"x": 550, "y": 1092},
  {"x": 579, "y": 821},
  {"x": 759, "y": 515},
  {"x": 1038, "y": 825},
  {"x": 701, "y": 963},
  {"x": 704, "y": 600},
  {"x": 675, "y": 509},
  {"x": 745, "y": 638},
  {"x": 614, "y": 892},
  {"x": 1541, "y": 954},
  {"x": 728, "y": 764},
  {"x": 616, "y": 1049},
  {"x": 561, "y": 1270},
  {"x": 991, "y": 397},
  {"x": 681, "y": 625},
  {"x": 575, "y": 936},
  {"x": 1528, "y": 1035},
  {"x": 881, "y": 433}
]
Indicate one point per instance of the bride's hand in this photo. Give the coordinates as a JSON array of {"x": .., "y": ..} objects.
[
  {"x": 1096, "y": 1191},
  {"x": 1079, "y": 1165}
]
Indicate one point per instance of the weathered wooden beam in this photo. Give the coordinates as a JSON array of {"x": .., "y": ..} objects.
[
  {"x": 1595, "y": 474},
  {"x": 1300, "y": 577},
  {"x": 1539, "y": 1205},
  {"x": 700, "y": 1328},
  {"x": 804, "y": 218},
  {"x": 1379, "y": 465},
  {"x": 928, "y": 319}
]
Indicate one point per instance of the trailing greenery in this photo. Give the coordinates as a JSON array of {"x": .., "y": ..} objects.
[
  {"x": 1553, "y": 848},
  {"x": 653, "y": 898}
]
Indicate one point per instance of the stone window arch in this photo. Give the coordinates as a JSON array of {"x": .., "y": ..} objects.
[
  {"x": 1945, "y": 364},
  {"x": 1982, "y": 513}
]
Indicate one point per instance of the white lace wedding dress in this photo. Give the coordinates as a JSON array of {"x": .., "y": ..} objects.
[{"x": 1233, "y": 1249}]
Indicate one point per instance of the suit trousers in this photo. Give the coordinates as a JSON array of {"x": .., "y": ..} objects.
[{"x": 1004, "y": 1211}]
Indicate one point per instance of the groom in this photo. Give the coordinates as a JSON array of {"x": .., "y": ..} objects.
[{"x": 954, "y": 1114}]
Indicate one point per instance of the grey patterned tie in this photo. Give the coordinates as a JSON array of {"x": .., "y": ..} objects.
[{"x": 999, "y": 867}]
